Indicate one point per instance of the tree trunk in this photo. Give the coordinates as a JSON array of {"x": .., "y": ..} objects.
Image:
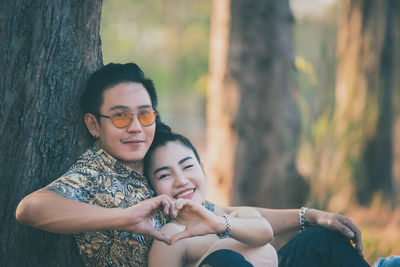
[
  {"x": 47, "y": 50},
  {"x": 358, "y": 161},
  {"x": 253, "y": 121}
]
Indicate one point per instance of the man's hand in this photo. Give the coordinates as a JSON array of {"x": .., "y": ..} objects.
[
  {"x": 140, "y": 216},
  {"x": 338, "y": 223},
  {"x": 198, "y": 220}
]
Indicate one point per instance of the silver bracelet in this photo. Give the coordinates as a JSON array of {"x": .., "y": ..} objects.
[
  {"x": 302, "y": 218},
  {"x": 228, "y": 226}
]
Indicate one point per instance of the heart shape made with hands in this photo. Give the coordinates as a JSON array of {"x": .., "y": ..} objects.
[{"x": 198, "y": 220}]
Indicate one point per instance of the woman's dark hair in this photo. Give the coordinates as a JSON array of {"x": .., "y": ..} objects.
[
  {"x": 109, "y": 76},
  {"x": 162, "y": 136}
]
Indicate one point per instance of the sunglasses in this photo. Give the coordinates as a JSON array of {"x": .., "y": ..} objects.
[{"x": 121, "y": 120}]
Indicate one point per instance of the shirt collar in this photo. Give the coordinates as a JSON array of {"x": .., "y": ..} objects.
[{"x": 122, "y": 170}]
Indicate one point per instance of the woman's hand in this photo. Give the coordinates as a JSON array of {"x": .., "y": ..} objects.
[
  {"x": 338, "y": 223},
  {"x": 140, "y": 216},
  {"x": 198, "y": 220}
]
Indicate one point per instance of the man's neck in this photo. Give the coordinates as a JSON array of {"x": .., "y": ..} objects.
[{"x": 136, "y": 165}]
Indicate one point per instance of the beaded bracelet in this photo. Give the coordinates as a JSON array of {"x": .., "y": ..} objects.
[
  {"x": 228, "y": 226},
  {"x": 302, "y": 218}
]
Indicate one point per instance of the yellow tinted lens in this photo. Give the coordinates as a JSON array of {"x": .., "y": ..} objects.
[
  {"x": 147, "y": 117},
  {"x": 122, "y": 120}
]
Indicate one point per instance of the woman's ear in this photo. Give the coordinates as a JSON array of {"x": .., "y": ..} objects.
[
  {"x": 202, "y": 167},
  {"x": 92, "y": 124}
]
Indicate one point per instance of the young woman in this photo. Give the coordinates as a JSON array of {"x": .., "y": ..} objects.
[{"x": 173, "y": 167}]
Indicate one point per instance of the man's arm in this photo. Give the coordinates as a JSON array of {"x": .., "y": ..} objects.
[
  {"x": 281, "y": 221},
  {"x": 284, "y": 221},
  {"x": 51, "y": 212}
]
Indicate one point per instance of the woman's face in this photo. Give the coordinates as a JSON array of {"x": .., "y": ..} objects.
[{"x": 176, "y": 172}]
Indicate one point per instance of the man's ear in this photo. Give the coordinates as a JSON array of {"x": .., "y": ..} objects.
[{"x": 92, "y": 124}]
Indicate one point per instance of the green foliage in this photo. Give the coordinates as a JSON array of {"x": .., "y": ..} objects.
[
  {"x": 316, "y": 64},
  {"x": 315, "y": 40},
  {"x": 169, "y": 39}
]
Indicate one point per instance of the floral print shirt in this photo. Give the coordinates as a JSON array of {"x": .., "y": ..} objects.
[{"x": 99, "y": 179}]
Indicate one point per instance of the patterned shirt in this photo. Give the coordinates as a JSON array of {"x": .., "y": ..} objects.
[{"x": 99, "y": 179}]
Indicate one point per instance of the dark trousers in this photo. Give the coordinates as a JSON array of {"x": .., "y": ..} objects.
[
  {"x": 315, "y": 247},
  {"x": 225, "y": 258}
]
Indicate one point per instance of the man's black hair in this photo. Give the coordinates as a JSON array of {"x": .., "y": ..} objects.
[{"x": 109, "y": 76}]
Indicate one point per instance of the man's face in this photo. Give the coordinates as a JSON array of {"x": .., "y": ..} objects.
[{"x": 129, "y": 144}]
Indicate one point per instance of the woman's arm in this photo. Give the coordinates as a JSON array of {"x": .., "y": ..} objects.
[
  {"x": 281, "y": 221},
  {"x": 248, "y": 226},
  {"x": 51, "y": 212},
  {"x": 162, "y": 254}
]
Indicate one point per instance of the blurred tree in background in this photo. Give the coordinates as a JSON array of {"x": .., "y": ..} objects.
[
  {"x": 253, "y": 120},
  {"x": 352, "y": 159}
]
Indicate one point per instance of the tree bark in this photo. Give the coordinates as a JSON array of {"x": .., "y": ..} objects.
[
  {"x": 47, "y": 50},
  {"x": 358, "y": 159},
  {"x": 253, "y": 120}
]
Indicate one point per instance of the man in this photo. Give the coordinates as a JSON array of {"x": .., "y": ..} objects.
[
  {"x": 119, "y": 107},
  {"x": 107, "y": 203}
]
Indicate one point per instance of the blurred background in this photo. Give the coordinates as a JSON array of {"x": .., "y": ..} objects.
[
  {"x": 288, "y": 105},
  {"x": 170, "y": 41}
]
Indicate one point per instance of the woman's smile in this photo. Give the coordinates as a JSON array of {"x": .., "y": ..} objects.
[{"x": 186, "y": 194}]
